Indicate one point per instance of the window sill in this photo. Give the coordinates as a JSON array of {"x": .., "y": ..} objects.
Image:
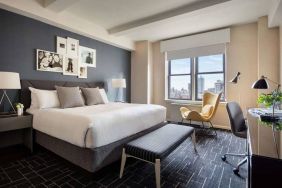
[{"x": 189, "y": 102}]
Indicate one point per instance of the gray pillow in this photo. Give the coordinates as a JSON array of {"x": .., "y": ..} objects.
[
  {"x": 92, "y": 96},
  {"x": 69, "y": 97}
]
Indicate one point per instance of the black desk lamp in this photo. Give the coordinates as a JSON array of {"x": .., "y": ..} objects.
[
  {"x": 236, "y": 78},
  {"x": 235, "y": 81},
  {"x": 263, "y": 84}
]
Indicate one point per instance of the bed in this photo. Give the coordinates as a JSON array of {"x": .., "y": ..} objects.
[{"x": 92, "y": 136}]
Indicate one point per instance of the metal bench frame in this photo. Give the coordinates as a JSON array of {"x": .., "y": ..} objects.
[{"x": 157, "y": 162}]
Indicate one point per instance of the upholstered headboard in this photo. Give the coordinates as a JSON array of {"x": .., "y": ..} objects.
[{"x": 50, "y": 85}]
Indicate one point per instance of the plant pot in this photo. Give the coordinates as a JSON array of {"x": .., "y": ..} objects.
[{"x": 20, "y": 111}]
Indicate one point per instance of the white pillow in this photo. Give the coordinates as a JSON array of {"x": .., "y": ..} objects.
[
  {"x": 104, "y": 96},
  {"x": 41, "y": 99},
  {"x": 34, "y": 102}
]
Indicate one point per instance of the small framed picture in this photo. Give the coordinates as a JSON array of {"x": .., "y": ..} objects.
[
  {"x": 70, "y": 66},
  {"x": 72, "y": 47},
  {"x": 49, "y": 61},
  {"x": 61, "y": 45},
  {"x": 82, "y": 72},
  {"x": 87, "y": 56}
]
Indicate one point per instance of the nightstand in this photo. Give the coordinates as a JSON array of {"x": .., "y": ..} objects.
[{"x": 24, "y": 122}]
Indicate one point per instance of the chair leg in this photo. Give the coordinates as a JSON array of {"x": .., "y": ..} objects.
[
  {"x": 232, "y": 154},
  {"x": 158, "y": 173},
  {"x": 123, "y": 161},
  {"x": 213, "y": 128},
  {"x": 203, "y": 124},
  {"x": 236, "y": 170},
  {"x": 194, "y": 140}
]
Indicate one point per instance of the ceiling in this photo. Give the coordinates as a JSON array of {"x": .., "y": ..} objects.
[
  {"x": 121, "y": 22},
  {"x": 111, "y": 13},
  {"x": 161, "y": 19}
]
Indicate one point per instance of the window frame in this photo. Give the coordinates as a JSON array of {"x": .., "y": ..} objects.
[
  {"x": 190, "y": 74},
  {"x": 194, "y": 67},
  {"x": 205, "y": 73}
]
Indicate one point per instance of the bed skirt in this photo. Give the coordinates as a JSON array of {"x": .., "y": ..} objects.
[{"x": 92, "y": 159}]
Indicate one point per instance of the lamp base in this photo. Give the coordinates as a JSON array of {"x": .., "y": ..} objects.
[{"x": 5, "y": 95}]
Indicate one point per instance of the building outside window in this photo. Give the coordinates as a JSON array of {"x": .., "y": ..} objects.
[
  {"x": 189, "y": 78},
  {"x": 180, "y": 79}
]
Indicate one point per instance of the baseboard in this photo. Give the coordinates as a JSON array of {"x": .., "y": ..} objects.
[
  {"x": 215, "y": 126},
  {"x": 222, "y": 127}
]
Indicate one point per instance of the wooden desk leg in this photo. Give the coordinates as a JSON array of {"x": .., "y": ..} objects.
[
  {"x": 123, "y": 161},
  {"x": 158, "y": 172}
]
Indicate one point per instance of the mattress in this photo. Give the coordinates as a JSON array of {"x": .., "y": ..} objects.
[{"x": 97, "y": 125}]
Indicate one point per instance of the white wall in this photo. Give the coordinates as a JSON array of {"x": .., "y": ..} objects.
[
  {"x": 241, "y": 55},
  {"x": 142, "y": 73}
]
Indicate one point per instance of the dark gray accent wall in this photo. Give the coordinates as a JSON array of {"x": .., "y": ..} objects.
[{"x": 20, "y": 37}]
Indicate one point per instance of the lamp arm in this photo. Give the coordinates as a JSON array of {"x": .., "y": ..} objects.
[{"x": 278, "y": 85}]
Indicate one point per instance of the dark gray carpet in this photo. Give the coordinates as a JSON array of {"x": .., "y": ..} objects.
[{"x": 183, "y": 168}]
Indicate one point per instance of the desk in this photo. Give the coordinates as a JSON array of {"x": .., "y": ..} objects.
[{"x": 265, "y": 152}]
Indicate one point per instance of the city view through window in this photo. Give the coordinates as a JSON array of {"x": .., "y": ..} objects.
[{"x": 207, "y": 71}]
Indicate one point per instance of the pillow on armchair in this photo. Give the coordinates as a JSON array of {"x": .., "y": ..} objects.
[{"x": 207, "y": 110}]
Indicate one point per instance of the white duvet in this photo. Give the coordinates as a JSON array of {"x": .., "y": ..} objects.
[{"x": 97, "y": 125}]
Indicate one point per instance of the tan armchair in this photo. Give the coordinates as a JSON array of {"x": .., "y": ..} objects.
[{"x": 209, "y": 107}]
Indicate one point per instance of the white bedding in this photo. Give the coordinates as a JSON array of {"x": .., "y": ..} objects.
[{"x": 97, "y": 125}]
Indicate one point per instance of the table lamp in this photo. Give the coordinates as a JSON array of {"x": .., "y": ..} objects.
[
  {"x": 235, "y": 79},
  {"x": 9, "y": 80},
  {"x": 118, "y": 83},
  {"x": 263, "y": 84}
]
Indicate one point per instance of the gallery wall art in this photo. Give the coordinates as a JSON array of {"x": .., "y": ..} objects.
[
  {"x": 72, "y": 47},
  {"x": 69, "y": 58},
  {"x": 61, "y": 45},
  {"x": 87, "y": 56},
  {"x": 71, "y": 66},
  {"x": 49, "y": 61}
]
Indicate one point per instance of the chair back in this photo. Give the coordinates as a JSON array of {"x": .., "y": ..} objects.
[
  {"x": 236, "y": 117},
  {"x": 213, "y": 100}
]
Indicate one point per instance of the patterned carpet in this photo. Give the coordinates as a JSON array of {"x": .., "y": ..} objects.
[{"x": 183, "y": 168}]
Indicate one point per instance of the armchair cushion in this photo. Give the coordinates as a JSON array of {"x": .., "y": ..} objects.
[{"x": 207, "y": 110}]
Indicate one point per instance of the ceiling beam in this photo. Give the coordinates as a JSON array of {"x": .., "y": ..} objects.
[
  {"x": 58, "y": 5},
  {"x": 275, "y": 15},
  {"x": 124, "y": 28}
]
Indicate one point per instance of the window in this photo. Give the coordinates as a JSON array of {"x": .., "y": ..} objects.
[
  {"x": 180, "y": 79},
  {"x": 190, "y": 78}
]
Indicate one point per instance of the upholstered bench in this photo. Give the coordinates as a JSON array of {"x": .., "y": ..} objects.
[{"x": 155, "y": 146}]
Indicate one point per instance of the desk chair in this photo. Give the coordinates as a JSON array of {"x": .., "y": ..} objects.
[
  {"x": 209, "y": 107},
  {"x": 239, "y": 129}
]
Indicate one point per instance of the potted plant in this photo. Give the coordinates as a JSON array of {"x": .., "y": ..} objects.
[
  {"x": 271, "y": 100},
  {"x": 20, "y": 108}
]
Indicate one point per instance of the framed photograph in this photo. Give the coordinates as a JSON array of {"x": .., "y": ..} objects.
[
  {"x": 87, "y": 56},
  {"x": 72, "y": 47},
  {"x": 49, "y": 61},
  {"x": 70, "y": 66},
  {"x": 82, "y": 72},
  {"x": 61, "y": 45}
]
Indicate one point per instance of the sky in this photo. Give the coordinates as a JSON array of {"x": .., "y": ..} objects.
[{"x": 211, "y": 63}]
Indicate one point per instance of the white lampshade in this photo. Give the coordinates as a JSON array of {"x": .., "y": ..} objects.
[
  {"x": 119, "y": 83},
  {"x": 10, "y": 80}
]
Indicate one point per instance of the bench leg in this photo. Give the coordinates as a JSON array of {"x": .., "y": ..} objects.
[
  {"x": 123, "y": 160},
  {"x": 194, "y": 140},
  {"x": 158, "y": 173}
]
